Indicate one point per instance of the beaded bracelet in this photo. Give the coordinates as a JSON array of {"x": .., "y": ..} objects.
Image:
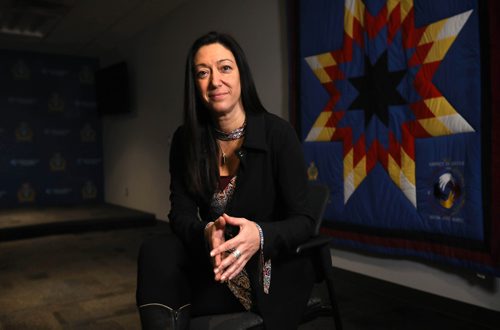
[{"x": 266, "y": 266}]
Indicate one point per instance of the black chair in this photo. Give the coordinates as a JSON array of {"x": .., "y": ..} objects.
[{"x": 318, "y": 248}]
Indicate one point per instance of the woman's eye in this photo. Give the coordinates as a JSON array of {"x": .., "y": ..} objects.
[
  {"x": 226, "y": 68},
  {"x": 201, "y": 74}
]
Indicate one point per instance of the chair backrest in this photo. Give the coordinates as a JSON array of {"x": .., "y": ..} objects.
[{"x": 317, "y": 199}]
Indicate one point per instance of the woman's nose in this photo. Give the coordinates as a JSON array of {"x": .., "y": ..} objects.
[{"x": 216, "y": 79}]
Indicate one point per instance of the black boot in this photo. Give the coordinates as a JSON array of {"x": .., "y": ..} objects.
[{"x": 160, "y": 317}]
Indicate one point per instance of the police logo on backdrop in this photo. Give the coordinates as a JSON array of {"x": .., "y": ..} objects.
[
  {"x": 58, "y": 191},
  {"x": 22, "y": 101},
  {"x": 89, "y": 190},
  {"x": 24, "y": 133},
  {"x": 20, "y": 71},
  {"x": 85, "y": 104},
  {"x": 88, "y": 134},
  {"x": 89, "y": 161},
  {"x": 54, "y": 72},
  {"x": 86, "y": 76},
  {"x": 26, "y": 193},
  {"x": 56, "y": 103},
  {"x": 57, "y": 163},
  {"x": 24, "y": 162},
  {"x": 312, "y": 172}
]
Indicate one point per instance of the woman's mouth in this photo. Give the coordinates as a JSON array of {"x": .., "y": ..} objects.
[{"x": 217, "y": 96}]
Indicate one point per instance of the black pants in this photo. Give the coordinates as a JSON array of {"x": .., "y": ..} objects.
[{"x": 169, "y": 274}]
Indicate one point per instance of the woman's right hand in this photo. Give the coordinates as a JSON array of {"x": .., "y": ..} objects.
[{"x": 214, "y": 234}]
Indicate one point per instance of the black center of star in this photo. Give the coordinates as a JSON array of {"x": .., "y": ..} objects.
[{"x": 377, "y": 90}]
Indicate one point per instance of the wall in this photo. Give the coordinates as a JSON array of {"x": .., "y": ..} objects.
[
  {"x": 136, "y": 146},
  {"x": 464, "y": 286}
]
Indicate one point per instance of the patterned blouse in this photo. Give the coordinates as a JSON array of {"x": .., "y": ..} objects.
[{"x": 240, "y": 284}]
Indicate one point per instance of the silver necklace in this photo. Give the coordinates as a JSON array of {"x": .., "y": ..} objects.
[
  {"x": 223, "y": 157},
  {"x": 235, "y": 134}
]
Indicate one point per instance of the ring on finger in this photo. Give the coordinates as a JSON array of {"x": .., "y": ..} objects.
[{"x": 236, "y": 253}]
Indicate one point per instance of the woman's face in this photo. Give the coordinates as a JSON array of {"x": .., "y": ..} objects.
[{"x": 218, "y": 79}]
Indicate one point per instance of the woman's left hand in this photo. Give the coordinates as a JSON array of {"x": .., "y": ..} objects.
[{"x": 244, "y": 246}]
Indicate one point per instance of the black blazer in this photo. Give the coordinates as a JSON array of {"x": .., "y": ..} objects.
[{"x": 271, "y": 189}]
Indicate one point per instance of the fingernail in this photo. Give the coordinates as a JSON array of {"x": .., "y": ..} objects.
[
  {"x": 216, "y": 270},
  {"x": 212, "y": 254},
  {"x": 223, "y": 278}
]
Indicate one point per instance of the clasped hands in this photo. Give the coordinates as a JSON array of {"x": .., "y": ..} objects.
[{"x": 229, "y": 257}]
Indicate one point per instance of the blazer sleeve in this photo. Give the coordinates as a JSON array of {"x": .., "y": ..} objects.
[
  {"x": 296, "y": 223},
  {"x": 183, "y": 215}
]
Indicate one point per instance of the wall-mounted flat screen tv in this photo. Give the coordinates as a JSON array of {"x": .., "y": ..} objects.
[{"x": 113, "y": 89}]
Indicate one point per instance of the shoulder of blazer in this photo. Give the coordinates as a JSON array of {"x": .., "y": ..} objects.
[{"x": 279, "y": 131}]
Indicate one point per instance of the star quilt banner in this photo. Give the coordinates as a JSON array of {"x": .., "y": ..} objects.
[{"x": 393, "y": 115}]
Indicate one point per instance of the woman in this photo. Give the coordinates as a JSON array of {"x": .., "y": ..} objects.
[{"x": 238, "y": 204}]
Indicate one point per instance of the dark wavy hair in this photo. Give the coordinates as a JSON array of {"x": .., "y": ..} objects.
[{"x": 200, "y": 148}]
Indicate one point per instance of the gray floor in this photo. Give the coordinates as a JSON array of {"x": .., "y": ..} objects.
[
  {"x": 25, "y": 217},
  {"x": 82, "y": 281},
  {"x": 87, "y": 281}
]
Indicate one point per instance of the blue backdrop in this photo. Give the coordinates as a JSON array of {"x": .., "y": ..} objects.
[{"x": 50, "y": 132}]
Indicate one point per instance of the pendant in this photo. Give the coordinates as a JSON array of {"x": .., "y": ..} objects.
[{"x": 223, "y": 158}]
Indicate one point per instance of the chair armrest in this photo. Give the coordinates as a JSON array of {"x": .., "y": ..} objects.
[{"x": 312, "y": 243}]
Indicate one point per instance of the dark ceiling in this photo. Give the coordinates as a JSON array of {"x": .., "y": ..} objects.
[{"x": 80, "y": 27}]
